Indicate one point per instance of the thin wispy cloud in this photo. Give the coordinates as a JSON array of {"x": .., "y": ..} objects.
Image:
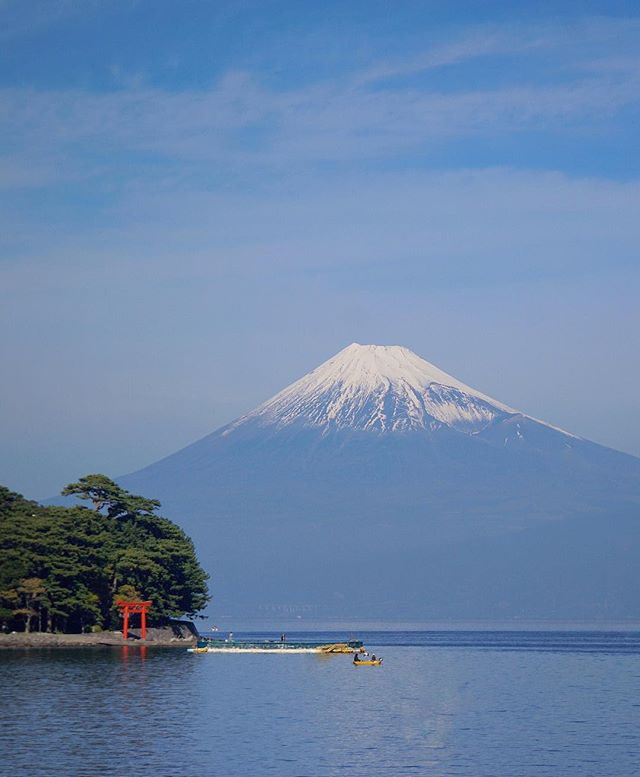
[
  {"x": 322, "y": 122},
  {"x": 241, "y": 119},
  {"x": 567, "y": 46}
]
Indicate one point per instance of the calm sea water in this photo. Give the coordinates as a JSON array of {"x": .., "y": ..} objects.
[{"x": 500, "y": 704}]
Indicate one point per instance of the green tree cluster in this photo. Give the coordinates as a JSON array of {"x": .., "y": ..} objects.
[{"x": 63, "y": 568}]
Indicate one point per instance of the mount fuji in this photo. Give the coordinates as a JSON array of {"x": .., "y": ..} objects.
[{"x": 379, "y": 486}]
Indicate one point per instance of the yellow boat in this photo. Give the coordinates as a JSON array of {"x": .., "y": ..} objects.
[{"x": 377, "y": 662}]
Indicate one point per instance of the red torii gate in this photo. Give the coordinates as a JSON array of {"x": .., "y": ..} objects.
[{"x": 130, "y": 608}]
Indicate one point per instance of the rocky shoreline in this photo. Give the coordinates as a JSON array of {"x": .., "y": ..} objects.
[{"x": 178, "y": 634}]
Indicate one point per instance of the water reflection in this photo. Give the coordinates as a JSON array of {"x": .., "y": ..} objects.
[
  {"x": 139, "y": 652},
  {"x": 428, "y": 710}
]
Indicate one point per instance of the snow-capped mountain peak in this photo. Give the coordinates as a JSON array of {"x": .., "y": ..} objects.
[{"x": 380, "y": 388}]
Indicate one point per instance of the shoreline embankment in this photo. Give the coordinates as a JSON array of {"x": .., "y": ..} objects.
[{"x": 177, "y": 634}]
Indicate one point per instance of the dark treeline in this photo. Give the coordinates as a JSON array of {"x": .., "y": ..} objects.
[{"x": 63, "y": 568}]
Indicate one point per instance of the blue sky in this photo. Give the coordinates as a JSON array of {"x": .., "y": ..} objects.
[{"x": 202, "y": 201}]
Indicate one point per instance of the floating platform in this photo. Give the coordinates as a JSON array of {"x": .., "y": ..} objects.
[{"x": 275, "y": 646}]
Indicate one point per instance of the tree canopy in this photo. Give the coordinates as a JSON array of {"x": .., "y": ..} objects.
[
  {"x": 107, "y": 495},
  {"x": 63, "y": 568}
]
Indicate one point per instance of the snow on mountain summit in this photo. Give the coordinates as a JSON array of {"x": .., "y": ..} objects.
[
  {"x": 380, "y": 468},
  {"x": 379, "y": 388}
]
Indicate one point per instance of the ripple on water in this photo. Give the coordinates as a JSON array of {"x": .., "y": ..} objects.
[{"x": 442, "y": 704}]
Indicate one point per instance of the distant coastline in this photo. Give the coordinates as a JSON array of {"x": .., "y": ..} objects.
[{"x": 179, "y": 634}]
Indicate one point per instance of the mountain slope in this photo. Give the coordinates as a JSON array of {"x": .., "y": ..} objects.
[{"x": 378, "y": 485}]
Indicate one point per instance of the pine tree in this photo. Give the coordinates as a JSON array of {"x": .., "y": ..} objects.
[{"x": 63, "y": 568}]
